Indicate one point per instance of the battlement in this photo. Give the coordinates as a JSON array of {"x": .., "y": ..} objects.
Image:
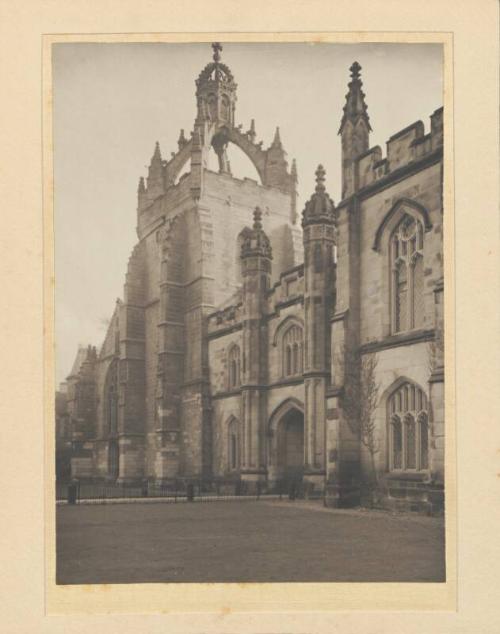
[
  {"x": 406, "y": 146},
  {"x": 227, "y": 318},
  {"x": 288, "y": 289}
]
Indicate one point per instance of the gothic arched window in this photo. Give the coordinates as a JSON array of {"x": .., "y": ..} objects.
[
  {"x": 112, "y": 410},
  {"x": 233, "y": 364},
  {"x": 233, "y": 462},
  {"x": 407, "y": 271},
  {"x": 408, "y": 429},
  {"x": 292, "y": 351},
  {"x": 111, "y": 400}
]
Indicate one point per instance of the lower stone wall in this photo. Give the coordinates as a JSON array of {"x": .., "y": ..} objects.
[
  {"x": 400, "y": 494},
  {"x": 131, "y": 459}
]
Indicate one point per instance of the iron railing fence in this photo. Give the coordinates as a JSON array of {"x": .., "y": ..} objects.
[{"x": 182, "y": 489}]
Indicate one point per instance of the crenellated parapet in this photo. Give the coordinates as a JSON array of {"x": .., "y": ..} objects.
[
  {"x": 225, "y": 320},
  {"x": 404, "y": 148}
]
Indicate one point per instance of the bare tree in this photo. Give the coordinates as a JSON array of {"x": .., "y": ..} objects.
[{"x": 360, "y": 400}]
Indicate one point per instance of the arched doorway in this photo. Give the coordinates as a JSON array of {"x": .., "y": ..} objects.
[{"x": 291, "y": 444}]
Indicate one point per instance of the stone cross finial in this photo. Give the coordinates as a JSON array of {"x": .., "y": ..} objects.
[
  {"x": 320, "y": 179},
  {"x": 355, "y": 68},
  {"x": 257, "y": 217},
  {"x": 217, "y": 48}
]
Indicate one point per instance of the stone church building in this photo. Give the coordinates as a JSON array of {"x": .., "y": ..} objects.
[{"x": 258, "y": 341}]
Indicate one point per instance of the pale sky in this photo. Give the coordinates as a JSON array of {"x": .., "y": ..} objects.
[{"x": 113, "y": 101}]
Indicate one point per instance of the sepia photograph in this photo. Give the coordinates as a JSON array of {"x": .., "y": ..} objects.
[{"x": 249, "y": 312}]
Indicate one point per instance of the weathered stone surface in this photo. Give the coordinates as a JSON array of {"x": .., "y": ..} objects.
[{"x": 236, "y": 338}]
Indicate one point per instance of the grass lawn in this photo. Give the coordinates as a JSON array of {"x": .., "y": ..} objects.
[{"x": 243, "y": 542}]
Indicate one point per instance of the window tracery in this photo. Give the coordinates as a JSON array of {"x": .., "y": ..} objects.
[
  {"x": 292, "y": 351},
  {"x": 408, "y": 429},
  {"x": 232, "y": 446},
  {"x": 407, "y": 243}
]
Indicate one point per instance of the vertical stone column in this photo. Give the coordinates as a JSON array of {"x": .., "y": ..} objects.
[
  {"x": 196, "y": 414},
  {"x": 256, "y": 258},
  {"x": 131, "y": 373},
  {"x": 82, "y": 416},
  {"x": 170, "y": 367},
  {"x": 343, "y": 450},
  {"x": 319, "y": 278},
  {"x": 436, "y": 398}
]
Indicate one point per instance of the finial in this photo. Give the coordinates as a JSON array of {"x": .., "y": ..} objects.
[
  {"x": 157, "y": 153},
  {"x": 182, "y": 140},
  {"x": 257, "y": 217},
  {"x": 217, "y": 48},
  {"x": 277, "y": 138},
  {"x": 251, "y": 133},
  {"x": 320, "y": 179},
  {"x": 355, "y": 68}
]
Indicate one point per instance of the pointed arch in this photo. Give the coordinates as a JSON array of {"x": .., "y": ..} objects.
[
  {"x": 284, "y": 408},
  {"x": 395, "y": 214},
  {"x": 233, "y": 443},
  {"x": 175, "y": 165},
  {"x": 285, "y": 325},
  {"x": 290, "y": 337},
  {"x": 408, "y": 430}
]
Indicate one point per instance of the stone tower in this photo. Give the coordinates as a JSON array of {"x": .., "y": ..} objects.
[
  {"x": 318, "y": 222},
  {"x": 185, "y": 264},
  {"x": 354, "y": 130},
  {"x": 256, "y": 256}
]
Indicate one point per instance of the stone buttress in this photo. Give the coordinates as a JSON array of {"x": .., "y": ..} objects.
[{"x": 256, "y": 256}]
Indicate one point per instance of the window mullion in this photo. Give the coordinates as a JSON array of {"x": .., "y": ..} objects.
[
  {"x": 391, "y": 446},
  {"x": 418, "y": 449},
  {"x": 404, "y": 427},
  {"x": 411, "y": 305}
]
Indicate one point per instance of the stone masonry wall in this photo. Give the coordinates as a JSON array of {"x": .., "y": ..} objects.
[{"x": 424, "y": 188}]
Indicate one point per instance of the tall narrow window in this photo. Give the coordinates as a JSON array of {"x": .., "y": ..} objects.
[
  {"x": 233, "y": 363},
  {"x": 418, "y": 290},
  {"x": 232, "y": 446},
  {"x": 292, "y": 351},
  {"x": 110, "y": 398},
  {"x": 408, "y": 427},
  {"x": 424, "y": 439},
  {"x": 407, "y": 275},
  {"x": 112, "y": 411},
  {"x": 397, "y": 442},
  {"x": 400, "y": 298}
]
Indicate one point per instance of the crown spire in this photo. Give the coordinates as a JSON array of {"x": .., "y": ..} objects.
[
  {"x": 320, "y": 179},
  {"x": 355, "y": 107},
  {"x": 217, "y": 48},
  {"x": 216, "y": 92}
]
